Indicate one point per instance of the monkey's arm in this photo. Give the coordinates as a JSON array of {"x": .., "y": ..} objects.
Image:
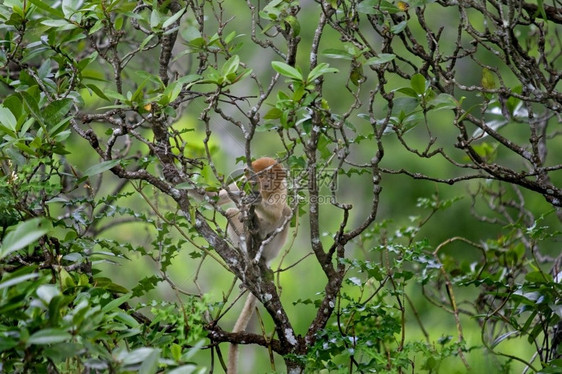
[{"x": 230, "y": 194}]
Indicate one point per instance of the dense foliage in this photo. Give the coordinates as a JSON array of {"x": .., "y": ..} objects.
[{"x": 423, "y": 146}]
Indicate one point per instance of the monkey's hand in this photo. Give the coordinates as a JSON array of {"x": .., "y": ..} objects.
[{"x": 251, "y": 198}]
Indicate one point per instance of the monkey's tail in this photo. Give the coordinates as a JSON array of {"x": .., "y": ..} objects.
[{"x": 239, "y": 326}]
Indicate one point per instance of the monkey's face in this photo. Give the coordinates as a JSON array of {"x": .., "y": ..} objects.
[
  {"x": 271, "y": 181},
  {"x": 269, "y": 177}
]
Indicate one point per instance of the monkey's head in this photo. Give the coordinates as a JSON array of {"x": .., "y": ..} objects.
[{"x": 271, "y": 176}]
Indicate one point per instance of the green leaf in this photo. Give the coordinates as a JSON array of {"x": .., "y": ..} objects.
[
  {"x": 486, "y": 150},
  {"x": 118, "y": 24},
  {"x": 193, "y": 350},
  {"x": 56, "y": 110},
  {"x": 323, "y": 143},
  {"x": 116, "y": 303},
  {"x": 24, "y": 234},
  {"x": 184, "y": 369},
  {"x": 32, "y": 106},
  {"x": 17, "y": 280},
  {"x": 138, "y": 355},
  {"x": 444, "y": 101},
  {"x": 397, "y": 29},
  {"x": 538, "y": 277},
  {"x": 49, "y": 336},
  {"x": 14, "y": 104},
  {"x": 418, "y": 83},
  {"x": 540, "y": 6},
  {"x": 230, "y": 37},
  {"x": 503, "y": 337},
  {"x": 150, "y": 363},
  {"x": 126, "y": 319},
  {"x": 382, "y": 58},
  {"x": 230, "y": 66},
  {"x": 49, "y": 9},
  {"x": 146, "y": 40},
  {"x": 294, "y": 24},
  {"x": 389, "y": 7},
  {"x": 408, "y": 91},
  {"x": 55, "y": 310},
  {"x": 287, "y": 70},
  {"x": 106, "y": 283},
  {"x": 115, "y": 95},
  {"x": 175, "y": 350},
  {"x": 320, "y": 70},
  {"x": 60, "y": 24},
  {"x": 97, "y": 26},
  {"x": 273, "y": 113},
  {"x": 338, "y": 53},
  {"x": 173, "y": 18},
  {"x": 368, "y": 7},
  {"x": 407, "y": 105},
  {"x": 155, "y": 17},
  {"x": 69, "y": 7},
  {"x": 101, "y": 167},
  {"x": 46, "y": 292},
  {"x": 7, "y": 118},
  {"x": 97, "y": 91},
  {"x": 488, "y": 80}
]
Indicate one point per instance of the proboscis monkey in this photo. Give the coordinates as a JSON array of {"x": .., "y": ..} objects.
[{"x": 272, "y": 215}]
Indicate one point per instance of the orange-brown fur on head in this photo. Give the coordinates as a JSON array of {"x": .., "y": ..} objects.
[{"x": 271, "y": 175}]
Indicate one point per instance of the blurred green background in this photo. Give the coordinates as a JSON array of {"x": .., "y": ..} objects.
[{"x": 399, "y": 199}]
